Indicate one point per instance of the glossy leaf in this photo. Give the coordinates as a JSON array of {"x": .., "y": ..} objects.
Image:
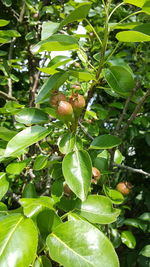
[
  {"x": 115, "y": 196},
  {"x": 32, "y": 206},
  {"x": 119, "y": 79},
  {"x": 143, "y": 225},
  {"x": 83, "y": 75},
  {"x": 132, "y": 36},
  {"x": 79, "y": 13},
  {"x": 145, "y": 216},
  {"x": 53, "y": 83},
  {"x": 7, "y": 3},
  {"x": 4, "y": 185},
  {"x": 97, "y": 209},
  {"x": 106, "y": 141},
  {"x": 9, "y": 33},
  {"x": 128, "y": 239},
  {"x": 57, "y": 42},
  {"x": 29, "y": 191},
  {"x": 146, "y": 7},
  {"x": 18, "y": 241},
  {"x": 47, "y": 221},
  {"x": 17, "y": 167},
  {"x": 78, "y": 243},
  {"x": 118, "y": 157},
  {"x": 48, "y": 28},
  {"x": 76, "y": 173},
  {"x": 42, "y": 261},
  {"x": 145, "y": 251},
  {"x": 24, "y": 139},
  {"x": 6, "y": 134},
  {"x": 3, "y": 22},
  {"x": 135, "y": 2},
  {"x": 40, "y": 162},
  {"x": 31, "y": 116},
  {"x": 66, "y": 143}
]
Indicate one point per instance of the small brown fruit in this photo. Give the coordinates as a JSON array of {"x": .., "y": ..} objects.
[
  {"x": 77, "y": 65},
  {"x": 67, "y": 190},
  {"x": 124, "y": 187},
  {"x": 64, "y": 108},
  {"x": 77, "y": 101},
  {"x": 95, "y": 173},
  {"x": 56, "y": 98}
]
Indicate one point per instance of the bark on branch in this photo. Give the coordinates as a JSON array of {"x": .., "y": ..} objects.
[{"x": 131, "y": 169}]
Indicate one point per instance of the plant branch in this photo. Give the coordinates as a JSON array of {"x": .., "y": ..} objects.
[
  {"x": 124, "y": 110},
  {"x": 84, "y": 130},
  {"x": 115, "y": 10},
  {"x": 136, "y": 110},
  {"x": 7, "y": 97},
  {"x": 97, "y": 36},
  {"x": 131, "y": 169}
]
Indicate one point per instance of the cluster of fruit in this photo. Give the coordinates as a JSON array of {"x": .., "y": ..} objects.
[{"x": 68, "y": 108}]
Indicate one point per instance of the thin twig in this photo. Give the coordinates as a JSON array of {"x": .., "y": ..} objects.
[
  {"x": 7, "y": 97},
  {"x": 124, "y": 110},
  {"x": 136, "y": 110},
  {"x": 84, "y": 130},
  {"x": 132, "y": 169}
]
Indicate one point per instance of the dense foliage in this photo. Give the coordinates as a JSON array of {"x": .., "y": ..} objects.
[{"x": 74, "y": 133}]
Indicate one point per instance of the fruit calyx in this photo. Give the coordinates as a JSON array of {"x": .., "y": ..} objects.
[
  {"x": 77, "y": 101},
  {"x": 95, "y": 175},
  {"x": 56, "y": 98}
]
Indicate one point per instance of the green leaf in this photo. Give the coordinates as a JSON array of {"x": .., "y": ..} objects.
[
  {"x": 79, "y": 13},
  {"x": 145, "y": 216},
  {"x": 4, "y": 185},
  {"x": 132, "y": 36},
  {"x": 105, "y": 141},
  {"x": 118, "y": 156},
  {"x": 17, "y": 167},
  {"x": 66, "y": 143},
  {"x": 145, "y": 251},
  {"x": 47, "y": 221},
  {"x": 48, "y": 28},
  {"x": 32, "y": 206},
  {"x": 42, "y": 261},
  {"x": 97, "y": 209},
  {"x": 24, "y": 139},
  {"x": 128, "y": 239},
  {"x": 115, "y": 196},
  {"x": 146, "y": 7},
  {"x": 30, "y": 116},
  {"x": 3, "y": 53},
  {"x": 9, "y": 33},
  {"x": 82, "y": 75},
  {"x": 6, "y": 134},
  {"x": 53, "y": 83},
  {"x": 57, "y": 42},
  {"x": 119, "y": 79},
  {"x": 77, "y": 170},
  {"x": 40, "y": 162},
  {"x": 135, "y": 2},
  {"x": 55, "y": 63},
  {"x": 136, "y": 223},
  {"x": 7, "y": 2},
  {"x": 29, "y": 191},
  {"x": 18, "y": 241},
  {"x": 78, "y": 243},
  {"x": 4, "y": 22}
]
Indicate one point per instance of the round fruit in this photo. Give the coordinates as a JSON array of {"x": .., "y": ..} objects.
[
  {"x": 95, "y": 173},
  {"x": 64, "y": 108},
  {"x": 124, "y": 187},
  {"x": 77, "y": 65},
  {"x": 67, "y": 190},
  {"x": 77, "y": 101},
  {"x": 76, "y": 86},
  {"x": 55, "y": 99}
]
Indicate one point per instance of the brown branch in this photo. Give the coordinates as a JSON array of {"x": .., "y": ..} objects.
[
  {"x": 124, "y": 110},
  {"x": 131, "y": 169},
  {"x": 6, "y": 96},
  {"x": 136, "y": 110}
]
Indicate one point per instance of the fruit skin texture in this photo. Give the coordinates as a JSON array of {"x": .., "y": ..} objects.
[
  {"x": 55, "y": 99},
  {"x": 77, "y": 101},
  {"x": 95, "y": 175},
  {"x": 64, "y": 108},
  {"x": 124, "y": 188}
]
